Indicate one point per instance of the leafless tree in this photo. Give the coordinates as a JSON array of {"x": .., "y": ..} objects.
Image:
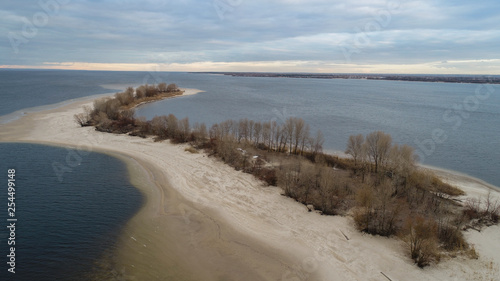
[
  {"x": 172, "y": 126},
  {"x": 378, "y": 145},
  {"x": 140, "y": 92},
  {"x": 402, "y": 162},
  {"x": 257, "y": 132},
  {"x": 162, "y": 87},
  {"x": 172, "y": 88},
  {"x": 184, "y": 130},
  {"x": 159, "y": 126},
  {"x": 83, "y": 118},
  {"x": 355, "y": 147},
  {"x": 317, "y": 143},
  {"x": 298, "y": 132},
  {"x": 200, "y": 132},
  {"x": 266, "y": 134}
]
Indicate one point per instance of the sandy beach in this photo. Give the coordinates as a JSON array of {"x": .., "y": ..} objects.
[{"x": 202, "y": 220}]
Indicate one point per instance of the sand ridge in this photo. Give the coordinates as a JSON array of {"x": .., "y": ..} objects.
[{"x": 229, "y": 226}]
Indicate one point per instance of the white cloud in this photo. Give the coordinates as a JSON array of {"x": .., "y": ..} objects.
[{"x": 190, "y": 32}]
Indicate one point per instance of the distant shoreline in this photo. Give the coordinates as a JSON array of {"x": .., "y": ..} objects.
[{"x": 468, "y": 79}]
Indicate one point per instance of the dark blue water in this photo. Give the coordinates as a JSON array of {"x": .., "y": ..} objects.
[{"x": 66, "y": 223}]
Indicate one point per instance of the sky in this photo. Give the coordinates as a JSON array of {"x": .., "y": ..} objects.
[{"x": 327, "y": 36}]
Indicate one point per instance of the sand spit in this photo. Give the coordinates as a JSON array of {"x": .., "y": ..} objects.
[{"x": 203, "y": 220}]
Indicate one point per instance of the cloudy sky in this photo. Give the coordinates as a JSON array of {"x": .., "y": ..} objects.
[{"x": 334, "y": 36}]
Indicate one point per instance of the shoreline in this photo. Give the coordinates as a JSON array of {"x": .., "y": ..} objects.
[
  {"x": 207, "y": 219},
  {"x": 455, "y": 78}
]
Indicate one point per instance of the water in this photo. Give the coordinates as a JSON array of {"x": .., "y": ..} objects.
[
  {"x": 64, "y": 225},
  {"x": 452, "y": 126},
  {"x": 21, "y": 90},
  {"x": 410, "y": 111}
]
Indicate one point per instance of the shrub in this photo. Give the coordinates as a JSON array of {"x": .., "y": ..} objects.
[
  {"x": 125, "y": 98},
  {"x": 172, "y": 88},
  {"x": 365, "y": 197},
  {"x": 451, "y": 237},
  {"x": 268, "y": 176},
  {"x": 420, "y": 234},
  {"x": 480, "y": 213},
  {"x": 380, "y": 211}
]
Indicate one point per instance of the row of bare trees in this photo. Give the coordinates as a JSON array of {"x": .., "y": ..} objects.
[
  {"x": 293, "y": 136},
  {"x": 153, "y": 90}
]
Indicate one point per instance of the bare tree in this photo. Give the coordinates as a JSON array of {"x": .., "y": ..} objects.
[
  {"x": 125, "y": 98},
  {"x": 243, "y": 129},
  {"x": 200, "y": 132},
  {"x": 266, "y": 134},
  {"x": 214, "y": 132},
  {"x": 83, "y": 118},
  {"x": 159, "y": 126},
  {"x": 317, "y": 143},
  {"x": 251, "y": 124},
  {"x": 172, "y": 88},
  {"x": 288, "y": 131},
  {"x": 257, "y": 132},
  {"x": 402, "y": 162},
  {"x": 355, "y": 147},
  {"x": 151, "y": 90},
  {"x": 305, "y": 138},
  {"x": 378, "y": 145},
  {"x": 298, "y": 132},
  {"x": 140, "y": 92},
  {"x": 172, "y": 126},
  {"x": 162, "y": 87},
  {"x": 276, "y": 135},
  {"x": 184, "y": 129}
]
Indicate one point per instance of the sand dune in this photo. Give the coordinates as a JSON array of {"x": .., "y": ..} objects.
[{"x": 205, "y": 221}]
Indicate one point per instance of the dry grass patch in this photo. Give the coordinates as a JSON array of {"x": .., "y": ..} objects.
[{"x": 191, "y": 150}]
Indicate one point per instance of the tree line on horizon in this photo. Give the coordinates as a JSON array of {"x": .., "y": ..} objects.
[{"x": 380, "y": 184}]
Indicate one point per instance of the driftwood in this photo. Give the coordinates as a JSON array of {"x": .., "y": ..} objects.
[
  {"x": 385, "y": 276},
  {"x": 344, "y": 235}
]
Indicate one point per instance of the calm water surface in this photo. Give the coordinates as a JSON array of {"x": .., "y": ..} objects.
[{"x": 65, "y": 224}]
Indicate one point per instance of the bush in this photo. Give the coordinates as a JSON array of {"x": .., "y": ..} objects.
[
  {"x": 420, "y": 234},
  {"x": 378, "y": 211},
  {"x": 267, "y": 175},
  {"x": 479, "y": 213},
  {"x": 451, "y": 237},
  {"x": 365, "y": 197}
]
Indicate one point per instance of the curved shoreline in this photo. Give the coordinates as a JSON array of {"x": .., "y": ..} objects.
[{"x": 206, "y": 218}]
